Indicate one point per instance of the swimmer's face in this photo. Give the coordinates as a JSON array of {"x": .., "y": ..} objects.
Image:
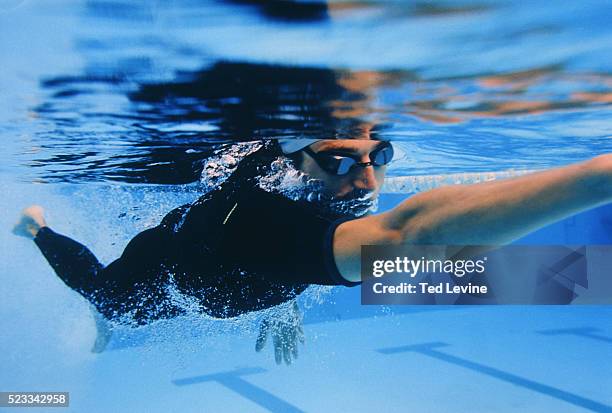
[{"x": 359, "y": 179}]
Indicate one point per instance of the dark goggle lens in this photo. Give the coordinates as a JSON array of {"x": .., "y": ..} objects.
[
  {"x": 344, "y": 165},
  {"x": 383, "y": 156},
  {"x": 341, "y": 165}
]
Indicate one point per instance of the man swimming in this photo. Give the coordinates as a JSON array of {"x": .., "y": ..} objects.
[{"x": 241, "y": 248}]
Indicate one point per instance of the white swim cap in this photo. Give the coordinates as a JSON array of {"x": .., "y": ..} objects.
[{"x": 293, "y": 145}]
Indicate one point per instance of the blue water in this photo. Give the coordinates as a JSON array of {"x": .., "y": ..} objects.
[{"x": 109, "y": 109}]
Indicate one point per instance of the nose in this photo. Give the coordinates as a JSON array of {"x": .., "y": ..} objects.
[{"x": 365, "y": 178}]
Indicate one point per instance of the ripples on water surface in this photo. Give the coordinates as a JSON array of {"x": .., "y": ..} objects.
[{"x": 143, "y": 91}]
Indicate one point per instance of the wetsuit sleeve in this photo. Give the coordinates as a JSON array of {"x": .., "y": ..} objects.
[{"x": 280, "y": 240}]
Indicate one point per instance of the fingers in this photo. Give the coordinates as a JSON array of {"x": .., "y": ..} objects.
[
  {"x": 299, "y": 330},
  {"x": 281, "y": 347},
  {"x": 287, "y": 355},
  {"x": 263, "y": 335},
  {"x": 286, "y": 333},
  {"x": 290, "y": 341},
  {"x": 278, "y": 348},
  {"x": 294, "y": 344}
]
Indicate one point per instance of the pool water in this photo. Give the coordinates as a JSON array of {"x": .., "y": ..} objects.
[{"x": 109, "y": 110}]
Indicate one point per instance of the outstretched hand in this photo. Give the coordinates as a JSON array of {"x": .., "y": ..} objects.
[{"x": 286, "y": 330}]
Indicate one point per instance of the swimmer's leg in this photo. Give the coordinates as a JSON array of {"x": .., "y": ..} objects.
[
  {"x": 74, "y": 264},
  {"x": 133, "y": 284},
  {"x": 72, "y": 261},
  {"x": 104, "y": 331}
]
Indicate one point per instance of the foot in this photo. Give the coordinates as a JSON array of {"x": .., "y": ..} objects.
[
  {"x": 104, "y": 331},
  {"x": 32, "y": 220}
]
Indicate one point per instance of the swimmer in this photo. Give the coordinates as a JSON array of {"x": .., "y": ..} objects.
[{"x": 240, "y": 248}]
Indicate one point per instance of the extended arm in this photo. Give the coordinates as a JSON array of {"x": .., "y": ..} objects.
[{"x": 490, "y": 213}]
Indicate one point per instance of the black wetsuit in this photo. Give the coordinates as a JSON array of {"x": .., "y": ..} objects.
[{"x": 236, "y": 249}]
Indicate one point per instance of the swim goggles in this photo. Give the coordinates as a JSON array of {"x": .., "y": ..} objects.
[{"x": 341, "y": 163}]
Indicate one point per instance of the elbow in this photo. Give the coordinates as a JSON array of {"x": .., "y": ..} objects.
[
  {"x": 420, "y": 232},
  {"x": 416, "y": 229},
  {"x": 421, "y": 219}
]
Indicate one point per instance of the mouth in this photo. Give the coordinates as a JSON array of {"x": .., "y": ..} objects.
[
  {"x": 357, "y": 203},
  {"x": 357, "y": 194}
]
